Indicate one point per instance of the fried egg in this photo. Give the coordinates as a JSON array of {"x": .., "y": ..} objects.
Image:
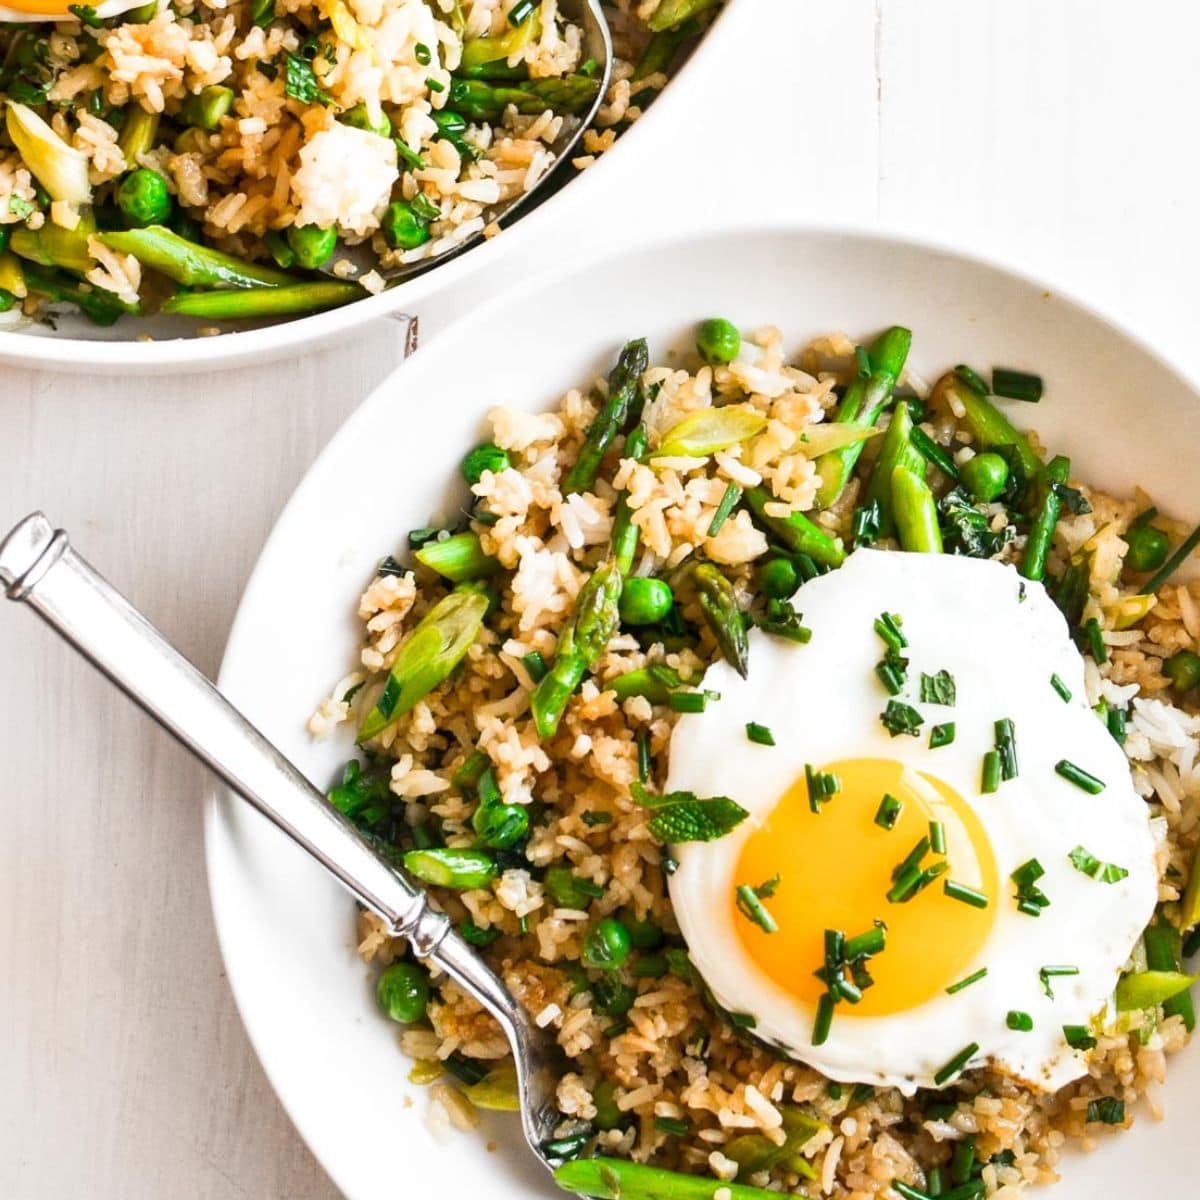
[
  {"x": 27, "y": 11},
  {"x": 971, "y": 956}
]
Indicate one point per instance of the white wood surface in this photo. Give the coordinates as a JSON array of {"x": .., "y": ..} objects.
[{"x": 1055, "y": 134}]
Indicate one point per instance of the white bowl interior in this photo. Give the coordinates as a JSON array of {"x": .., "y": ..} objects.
[{"x": 286, "y": 931}]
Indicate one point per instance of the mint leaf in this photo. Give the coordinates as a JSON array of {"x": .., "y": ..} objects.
[
  {"x": 938, "y": 689},
  {"x": 301, "y": 82},
  {"x": 1091, "y": 866},
  {"x": 696, "y": 820}
]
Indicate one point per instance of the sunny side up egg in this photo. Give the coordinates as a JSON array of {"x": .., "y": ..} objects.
[
  {"x": 31, "y": 11},
  {"x": 975, "y": 966}
]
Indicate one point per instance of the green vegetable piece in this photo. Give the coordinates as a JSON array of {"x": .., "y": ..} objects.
[
  {"x": 1147, "y": 548},
  {"x": 624, "y": 531},
  {"x": 1183, "y": 670},
  {"x": 608, "y": 1115},
  {"x": 568, "y": 890},
  {"x": 59, "y": 168},
  {"x": 753, "y": 1152},
  {"x": 281, "y": 252},
  {"x": 458, "y": 558},
  {"x": 189, "y": 263},
  {"x": 496, "y": 1091},
  {"x": 895, "y": 451},
  {"x": 606, "y": 946},
  {"x": 797, "y": 533},
  {"x": 7, "y": 301},
  {"x": 358, "y": 118},
  {"x": 100, "y": 307},
  {"x": 992, "y": 429},
  {"x": 718, "y": 341},
  {"x": 656, "y": 683},
  {"x": 613, "y": 413},
  {"x": 985, "y": 476},
  {"x": 500, "y": 826},
  {"x": 481, "y": 100},
  {"x": 138, "y": 133},
  {"x": 1189, "y": 908},
  {"x": 711, "y": 429},
  {"x": 915, "y": 512},
  {"x": 144, "y": 198},
  {"x": 1041, "y": 535},
  {"x": 403, "y": 992},
  {"x": 403, "y": 228},
  {"x": 488, "y": 457},
  {"x": 672, "y": 13},
  {"x": 645, "y": 601},
  {"x": 248, "y": 303},
  {"x": 434, "y": 648},
  {"x": 620, "y": 1179},
  {"x": 312, "y": 245},
  {"x": 482, "y": 51},
  {"x": 861, "y": 406},
  {"x": 262, "y": 13},
  {"x": 443, "y": 866},
  {"x": 205, "y": 109},
  {"x": 696, "y": 820},
  {"x": 661, "y": 49},
  {"x": 779, "y": 578},
  {"x": 719, "y": 607},
  {"x": 1147, "y": 989},
  {"x": 1162, "y": 944},
  {"x": 54, "y": 246}
]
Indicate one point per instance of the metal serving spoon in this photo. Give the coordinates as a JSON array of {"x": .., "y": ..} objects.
[
  {"x": 37, "y": 565},
  {"x": 597, "y": 46}
]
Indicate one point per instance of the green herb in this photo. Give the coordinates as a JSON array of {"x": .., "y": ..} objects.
[
  {"x": 300, "y": 82},
  {"x": 965, "y": 983},
  {"x": 688, "y": 702},
  {"x": 971, "y": 379},
  {"x": 1181, "y": 555},
  {"x": 901, "y": 718},
  {"x": 750, "y": 904},
  {"x": 991, "y": 774},
  {"x": 728, "y": 503},
  {"x": 1061, "y": 688},
  {"x": 941, "y": 735},
  {"x": 643, "y": 748},
  {"x": 1079, "y": 1037},
  {"x": 593, "y": 818},
  {"x": 821, "y": 786},
  {"x": 782, "y": 620},
  {"x": 20, "y": 208},
  {"x": 476, "y": 935},
  {"x": 1115, "y": 720},
  {"x": 1022, "y": 1022},
  {"x": 824, "y": 1020},
  {"x": 866, "y": 945},
  {"x": 1107, "y": 1110},
  {"x": 1030, "y": 898},
  {"x": 1045, "y": 974},
  {"x": 933, "y": 453},
  {"x": 892, "y": 671},
  {"x": 760, "y": 735},
  {"x": 937, "y": 837},
  {"x": 867, "y": 523},
  {"x": 1016, "y": 385},
  {"x": 1079, "y": 777},
  {"x": 671, "y": 1125},
  {"x": 956, "y": 1064},
  {"x": 422, "y": 54},
  {"x": 684, "y": 817},
  {"x": 1091, "y": 866},
  {"x": 87, "y": 14},
  {"x": 887, "y": 625},
  {"x": 1095, "y": 640},
  {"x": 888, "y": 812},
  {"x": 967, "y": 531},
  {"x": 1006, "y": 747},
  {"x": 535, "y": 664},
  {"x": 968, "y": 895},
  {"x": 938, "y": 689}
]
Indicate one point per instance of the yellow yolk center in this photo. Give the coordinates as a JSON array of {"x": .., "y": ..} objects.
[
  {"x": 835, "y": 870},
  {"x": 42, "y": 8}
]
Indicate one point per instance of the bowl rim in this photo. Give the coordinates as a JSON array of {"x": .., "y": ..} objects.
[
  {"x": 317, "y": 329},
  {"x": 1019, "y": 271}
]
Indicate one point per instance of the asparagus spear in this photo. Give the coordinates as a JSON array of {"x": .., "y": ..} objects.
[
  {"x": 54, "y": 246},
  {"x": 661, "y": 50},
  {"x": 796, "y": 532},
  {"x": 99, "y": 306},
  {"x": 1162, "y": 954},
  {"x": 671, "y": 13},
  {"x": 618, "y": 1179},
  {"x": 864, "y": 400},
  {"x": 622, "y": 390},
  {"x": 458, "y": 558},
  {"x": 915, "y": 512},
  {"x": 624, "y": 531},
  {"x": 190, "y": 263},
  {"x": 580, "y": 644},
  {"x": 236, "y": 304},
  {"x": 1037, "y": 544},
  {"x": 989, "y": 425},
  {"x": 138, "y": 132},
  {"x": 897, "y": 451},
  {"x": 446, "y": 867},
  {"x": 479, "y": 100},
  {"x": 718, "y": 605}
]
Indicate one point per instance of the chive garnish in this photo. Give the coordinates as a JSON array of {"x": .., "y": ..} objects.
[
  {"x": 422, "y": 54},
  {"x": 760, "y": 735},
  {"x": 932, "y": 452},
  {"x": 1115, "y": 720},
  {"x": 1095, "y": 639},
  {"x": 887, "y": 625},
  {"x": 912, "y": 858},
  {"x": 728, "y": 503},
  {"x": 1022, "y": 1022},
  {"x": 901, "y": 718},
  {"x": 1030, "y": 898},
  {"x": 971, "y": 379},
  {"x": 956, "y": 1064},
  {"x": 1090, "y": 865},
  {"x": 1061, "y": 688},
  {"x": 821, "y": 785},
  {"x": 671, "y": 1125},
  {"x": 864, "y": 945},
  {"x": 435, "y": 85},
  {"x": 862, "y": 360},
  {"x": 990, "y": 778},
  {"x": 750, "y": 904},
  {"x": 643, "y": 749},
  {"x": 1045, "y": 974},
  {"x": 1006, "y": 747},
  {"x": 968, "y": 895},
  {"x": 1108, "y": 1110},
  {"x": 1079, "y": 1037},
  {"x": 1016, "y": 385},
  {"x": 688, "y": 702},
  {"x": 1186, "y": 548},
  {"x": 593, "y": 818},
  {"x": 824, "y": 1019},
  {"x": 519, "y": 13},
  {"x": 941, "y": 735},
  {"x": 965, "y": 983},
  {"x": 888, "y": 812},
  {"x": 937, "y": 837},
  {"x": 1079, "y": 777},
  {"x": 938, "y": 689},
  {"x": 892, "y": 671},
  {"x": 866, "y": 524},
  {"x": 535, "y": 664}
]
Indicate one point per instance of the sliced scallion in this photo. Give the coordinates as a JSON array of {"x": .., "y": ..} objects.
[
  {"x": 968, "y": 895},
  {"x": 1061, "y": 688},
  {"x": 1022, "y": 1022},
  {"x": 966, "y": 983},
  {"x": 956, "y": 1064},
  {"x": 760, "y": 735},
  {"x": 941, "y": 735},
  {"x": 728, "y": 503},
  {"x": 1079, "y": 777},
  {"x": 888, "y": 812}
]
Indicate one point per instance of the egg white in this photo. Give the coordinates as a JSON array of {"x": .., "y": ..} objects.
[
  {"x": 1002, "y": 638},
  {"x": 109, "y": 8}
]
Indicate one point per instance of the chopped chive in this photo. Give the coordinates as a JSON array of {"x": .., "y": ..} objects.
[
  {"x": 752, "y": 908},
  {"x": 688, "y": 702},
  {"x": 888, "y": 812},
  {"x": 1079, "y": 777},
  {"x": 1108, "y": 1110},
  {"x": 1115, "y": 720},
  {"x": 901, "y": 718},
  {"x": 938, "y": 689},
  {"x": 928, "y": 875},
  {"x": 1022, "y": 1022},
  {"x": 728, "y": 503},
  {"x": 760, "y": 735},
  {"x": 908, "y": 1192},
  {"x": 962, "y": 1163},
  {"x": 887, "y": 625},
  {"x": 905, "y": 885},
  {"x": 422, "y": 54},
  {"x": 971, "y": 379},
  {"x": 671, "y": 1125},
  {"x": 1090, "y": 865},
  {"x": 643, "y": 749},
  {"x": 594, "y": 818},
  {"x": 912, "y": 858},
  {"x": 941, "y": 735},
  {"x": 866, "y": 524},
  {"x": 968, "y": 895},
  {"x": 956, "y": 1064},
  {"x": 1030, "y": 898},
  {"x": 864, "y": 945},
  {"x": 1079, "y": 1037},
  {"x": 966, "y": 983},
  {"x": 891, "y": 670},
  {"x": 821, "y": 785},
  {"x": 862, "y": 360},
  {"x": 932, "y": 452},
  {"x": 1006, "y": 747},
  {"x": 1016, "y": 385},
  {"x": 824, "y": 1019},
  {"x": 1095, "y": 638},
  {"x": 435, "y": 85},
  {"x": 1045, "y": 974},
  {"x": 1061, "y": 688},
  {"x": 519, "y": 13},
  {"x": 535, "y": 664},
  {"x": 1186, "y": 548},
  {"x": 990, "y": 779},
  {"x": 937, "y": 837}
]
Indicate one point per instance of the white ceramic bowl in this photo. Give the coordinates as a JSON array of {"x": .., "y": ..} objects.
[{"x": 287, "y": 932}]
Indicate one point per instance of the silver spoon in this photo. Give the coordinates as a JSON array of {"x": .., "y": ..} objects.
[
  {"x": 38, "y": 566},
  {"x": 597, "y": 46}
]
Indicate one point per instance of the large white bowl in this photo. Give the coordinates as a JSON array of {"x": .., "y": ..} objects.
[{"x": 286, "y": 931}]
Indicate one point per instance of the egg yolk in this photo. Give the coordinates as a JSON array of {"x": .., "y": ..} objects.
[
  {"x": 835, "y": 868},
  {"x": 42, "y": 8}
]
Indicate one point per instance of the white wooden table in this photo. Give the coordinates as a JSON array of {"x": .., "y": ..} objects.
[{"x": 1057, "y": 134}]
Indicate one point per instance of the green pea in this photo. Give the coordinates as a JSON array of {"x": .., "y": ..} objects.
[
  {"x": 645, "y": 601},
  {"x": 608, "y": 1115},
  {"x": 402, "y": 227},
  {"x": 143, "y": 198},
  {"x": 606, "y": 946},
  {"x": 500, "y": 826},
  {"x": 358, "y": 118},
  {"x": 779, "y": 578},
  {"x": 7, "y": 300},
  {"x": 985, "y": 476},
  {"x": 1147, "y": 548},
  {"x": 1183, "y": 670},
  {"x": 313, "y": 246},
  {"x": 403, "y": 992},
  {"x": 718, "y": 341},
  {"x": 488, "y": 457}
]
